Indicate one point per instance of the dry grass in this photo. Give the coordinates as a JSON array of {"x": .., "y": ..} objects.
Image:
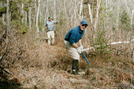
[{"x": 37, "y": 65}]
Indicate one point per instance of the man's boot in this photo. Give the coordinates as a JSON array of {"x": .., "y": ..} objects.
[{"x": 75, "y": 67}]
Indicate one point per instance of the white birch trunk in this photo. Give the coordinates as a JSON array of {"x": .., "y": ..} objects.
[
  {"x": 8, "y": 23},
  {"x": 40, "y": 17},
  {"x": 25, "y": 14},
  {"x": 126, "y": 2},
  {"x": 29, "y": 17},
  {"x": 90, "y": 13},
  {"x": 132, "y": 17},
  {"x": 75, "y": 13},
  {"x": 8, "y": 19},
  {"x": 37, "y": 16},
  {"x": 6, "y": 31},
  {"x": 106, "y": 4},
  {"x": 55, "y": 10},
  {"x": 65, "y": 11},
  {"x": 81, "y": 6},
  {"x": 97, "y": 14},
  {"x": 47, "y": 13},
  {"x": 22, "y": 13},
  {"x": 35, "y": 6},
  {"x": 80, "y": 12},
  {"x": 105, "y": 23},
  {"x": 3, "y": 19},
  {"x": 133, "y": 43},
  {"x": 117, "y": 19},
  {"x": 133, "y": 54}
]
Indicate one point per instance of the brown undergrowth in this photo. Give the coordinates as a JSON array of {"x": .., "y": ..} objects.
[{"x": 34, "y": 64}]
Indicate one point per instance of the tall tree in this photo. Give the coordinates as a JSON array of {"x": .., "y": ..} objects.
[
  {"x": 8, "y": 19},
  {"x": 37, "y": 16},
  {"x": 97, "y": 14}
]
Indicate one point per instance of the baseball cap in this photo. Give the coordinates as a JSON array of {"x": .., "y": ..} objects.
[
  {"x": 49, "y": 17},
  {"x": 84, "y": 22}
]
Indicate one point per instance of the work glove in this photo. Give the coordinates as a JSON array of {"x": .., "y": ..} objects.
[{"x": 80, "y": 49}]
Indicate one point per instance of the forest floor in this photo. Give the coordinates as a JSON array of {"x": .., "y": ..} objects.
[{"x": 49, "y": 67}]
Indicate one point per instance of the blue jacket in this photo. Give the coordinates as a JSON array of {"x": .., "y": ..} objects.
[
  {"x": 74, "y": 35},
  {"x": 50, "y": 25}
]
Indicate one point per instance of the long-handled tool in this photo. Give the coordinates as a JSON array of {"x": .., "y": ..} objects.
[{"x": 84, "y": 56}]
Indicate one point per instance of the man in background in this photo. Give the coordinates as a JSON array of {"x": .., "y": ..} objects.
[
  {"x": 50, "y": 30},
  {"x": 71, "y": 39}
]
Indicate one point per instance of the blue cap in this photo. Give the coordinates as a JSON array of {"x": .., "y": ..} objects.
[{"x": 84, "y": 22}]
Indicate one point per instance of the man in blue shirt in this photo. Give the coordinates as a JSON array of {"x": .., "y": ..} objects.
[
  {"x": 50, "y": 30},
  {"x": 71, "y": 39}
]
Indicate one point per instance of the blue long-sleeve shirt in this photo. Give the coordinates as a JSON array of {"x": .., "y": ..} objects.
[
  {"x": 74, "y": 35},
  {"x": 50, "y": 25}
]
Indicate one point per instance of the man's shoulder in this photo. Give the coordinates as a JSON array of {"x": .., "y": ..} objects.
[
  {"x": 50, "y": 22},
  {"x": 47, "y": 21},
  {"x": 75, "y": 28}
]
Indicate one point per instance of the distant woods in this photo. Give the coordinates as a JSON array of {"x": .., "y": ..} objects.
[
  {"x": 103, "y": 14},
  {"x": 114, "y": 17}
]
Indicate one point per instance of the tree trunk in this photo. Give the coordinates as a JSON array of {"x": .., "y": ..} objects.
[
  {"x": 54, "y": 10},
  {"x": 25, "y": 14},
  {"x": 75, "y": 13},
  {"x": 90, "y": 13},
  {"x": 22, "y": 13},
  {"x": 81, "y": 8},
  {"x": 3, "y": 19},
  {"x": 6, "y": 32},
  {"x": 35, "y": 6},
  {"x": 97, "y": 14},
  {"x": 131, "y": 37},
  {"x": 47, "y": 12},
  {"x": 29, "y": 17},
  {"x": 8, "y": 19},
  {"x": 37, "y": 16},
  {"x": 133, "y": 54}
]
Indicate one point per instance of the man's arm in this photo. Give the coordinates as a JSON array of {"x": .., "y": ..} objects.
[
  {"x": 79, "y": 42},
  {"x": 75, "y": 45},
  {"x": 44, "y": 27},
  {"x": 55, "y": 22}
]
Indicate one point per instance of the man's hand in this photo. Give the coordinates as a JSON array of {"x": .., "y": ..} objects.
[{"x": 80, "y": 49}]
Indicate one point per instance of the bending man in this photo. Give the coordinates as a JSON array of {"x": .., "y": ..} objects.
[{"x": 71, "y": 39}]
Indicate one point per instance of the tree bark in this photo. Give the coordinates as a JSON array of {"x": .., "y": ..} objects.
[
  {"x": 35, "y": 6},
  {"x": 54, "y": 10},
  {"x": 47, "y": 12},
  {"x": 8, "y": 19},
  {"x": 90, "y": 13},
  {"x": 3, "y": 19},
  {"x": 22, "y": 12},
  {"x": 97, "y": 14},
  {"x": 131, "y": 29},
  {"x": 29, "y": 17},
  {"x": 37, "y": 16},
  {"x": 81, "y": 8}
]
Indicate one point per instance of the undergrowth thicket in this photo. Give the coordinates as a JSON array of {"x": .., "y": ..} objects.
[{"x": 29, "y": 62}]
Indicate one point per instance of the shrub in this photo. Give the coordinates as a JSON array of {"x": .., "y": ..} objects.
[{"x": 101, "y": 44}]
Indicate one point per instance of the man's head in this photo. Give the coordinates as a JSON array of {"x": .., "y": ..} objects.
[
  {"x": 83, "y": 25},
  {"x": 49, "y": 18}
]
